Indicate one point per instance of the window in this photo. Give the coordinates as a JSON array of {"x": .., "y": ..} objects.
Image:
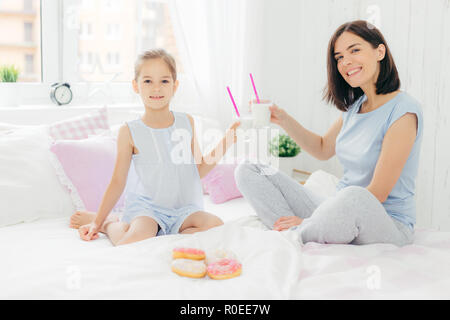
[
  {"x": 86, "y": 32},
  {"x": 114, "y": 32},
  {"x": 92, "y": 44},
  {"x": 112, "y": 4},
  {"x": 90, "y": 59},
  {"x": 28, "y": 30},
  {"x": 28, "y": 5},
  {"x": 20, "y": 46},
  {"x": 113, "y": 58},
  {"x": 29, "y": 64}
]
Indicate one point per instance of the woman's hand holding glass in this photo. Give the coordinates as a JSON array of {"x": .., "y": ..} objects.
[{"x": 278, "y": 115}]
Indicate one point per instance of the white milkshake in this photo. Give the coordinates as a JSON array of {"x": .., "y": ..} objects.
[{"x": 261, "y": 114}]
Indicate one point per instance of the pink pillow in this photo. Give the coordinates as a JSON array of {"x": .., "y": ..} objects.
[
  {"x": 220, "y": 183},
  {"x": 80, "y": 127},
  {"x": 86, "y": 167}
]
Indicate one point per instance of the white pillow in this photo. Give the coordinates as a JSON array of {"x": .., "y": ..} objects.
[
  {"x": 322, "y": 183},
  {"x": 7, "y": 128},
  {"x": 29, "y": 187}
]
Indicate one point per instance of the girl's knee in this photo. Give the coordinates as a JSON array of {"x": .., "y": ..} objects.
[
  {"x": 125, "y": 226},
  {"x": 201, "y": 221},
  {"x": 212, "y": 222},
  {"x": 215, "y": 222},
  {"x": 127, "y": 239},
  {"x": 140, "y": 228},
  {"x": 218, "y": 222}
]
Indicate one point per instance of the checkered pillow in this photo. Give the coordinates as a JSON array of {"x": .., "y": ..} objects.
[{"x": 80, "y": 127}]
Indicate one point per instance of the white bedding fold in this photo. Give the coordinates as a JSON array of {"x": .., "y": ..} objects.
[
  {"x": 51, "y": 262},
  {"x": 47, "y": 260}
]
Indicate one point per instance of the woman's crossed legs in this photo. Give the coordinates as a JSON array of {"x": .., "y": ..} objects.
[{"x": 353, "y": 215}]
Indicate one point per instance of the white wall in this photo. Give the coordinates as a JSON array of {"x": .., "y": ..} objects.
[{"x": 418, "y": 33}]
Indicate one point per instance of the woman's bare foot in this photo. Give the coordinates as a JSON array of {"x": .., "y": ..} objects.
[{"x": 81, "y": 218}]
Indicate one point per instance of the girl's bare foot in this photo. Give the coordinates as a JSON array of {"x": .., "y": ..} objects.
[{"x": 81, "y": 218}]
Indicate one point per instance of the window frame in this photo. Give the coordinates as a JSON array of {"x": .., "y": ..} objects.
[
  {"x": 32, "y": 93},
  {"x": 57, "y": 48},
  {"x": 51, "y": 11}
]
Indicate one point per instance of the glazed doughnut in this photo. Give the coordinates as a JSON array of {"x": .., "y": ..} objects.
[
  {"x": 217, "y": 254},
  {"x": 189, "y": 268},
  {"x": 224, "y": 269},
  {"x": 188, "y": 253}
]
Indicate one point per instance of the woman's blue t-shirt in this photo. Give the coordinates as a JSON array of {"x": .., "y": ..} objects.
[{"x": 358, "y": 148}]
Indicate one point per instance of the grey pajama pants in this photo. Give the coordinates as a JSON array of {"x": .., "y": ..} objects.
[{"x": 354, "y": 215}]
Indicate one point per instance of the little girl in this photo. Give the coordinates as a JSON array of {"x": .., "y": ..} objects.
[{"x": 168, "y": 198}]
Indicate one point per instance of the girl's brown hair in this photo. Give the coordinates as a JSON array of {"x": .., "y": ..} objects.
[
  {"x": 338, "y": 91},
  {"x": 156, "y": 54}
]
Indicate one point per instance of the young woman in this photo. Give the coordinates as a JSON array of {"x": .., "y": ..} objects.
[{"x": 377, "y": 140}]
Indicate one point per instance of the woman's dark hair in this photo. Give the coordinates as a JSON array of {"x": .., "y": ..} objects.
[{"x": 338, "y": 91}]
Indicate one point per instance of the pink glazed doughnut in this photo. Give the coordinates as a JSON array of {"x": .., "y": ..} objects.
[
  {"x": 224, "y": 269},
  {"x": 218, "y": 254},
  {"x": 188, "y": 253}
]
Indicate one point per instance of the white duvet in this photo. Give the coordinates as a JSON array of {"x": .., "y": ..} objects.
[{"x": 47, "y": 260}]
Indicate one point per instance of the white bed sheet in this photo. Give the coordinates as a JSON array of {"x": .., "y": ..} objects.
[
  {"x": 377, "y": 271},
  {"x": 47, "y": 260}
]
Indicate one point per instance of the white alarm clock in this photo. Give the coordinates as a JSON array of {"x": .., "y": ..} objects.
[{"x": 60, "y": 93}]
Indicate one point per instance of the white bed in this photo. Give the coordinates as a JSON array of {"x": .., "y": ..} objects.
[{"x": 46, "y": 260}]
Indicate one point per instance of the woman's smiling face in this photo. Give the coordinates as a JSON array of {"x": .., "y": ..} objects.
[{"x": 357, "y": 61}]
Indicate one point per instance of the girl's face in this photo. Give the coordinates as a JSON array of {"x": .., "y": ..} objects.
[
  {"x": 357, "y": 61},
  {"x": 155, "y": 84}
]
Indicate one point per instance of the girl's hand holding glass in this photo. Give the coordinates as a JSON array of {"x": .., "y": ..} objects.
[{"x": 230, "y": 134}]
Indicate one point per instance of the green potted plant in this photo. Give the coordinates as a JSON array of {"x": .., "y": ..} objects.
[
  {"x": 8, "y": 90},
  {"x": 286, "y": 151},
  {"x": 9, "y": 73}
]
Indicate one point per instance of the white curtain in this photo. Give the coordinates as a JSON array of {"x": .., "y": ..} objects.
[{"x": 220, "y": 43}]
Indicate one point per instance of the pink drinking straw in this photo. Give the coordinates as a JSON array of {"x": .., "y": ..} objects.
[
  {"x": 254, "y": 88},
  {"x": 234, "y": 103}
]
